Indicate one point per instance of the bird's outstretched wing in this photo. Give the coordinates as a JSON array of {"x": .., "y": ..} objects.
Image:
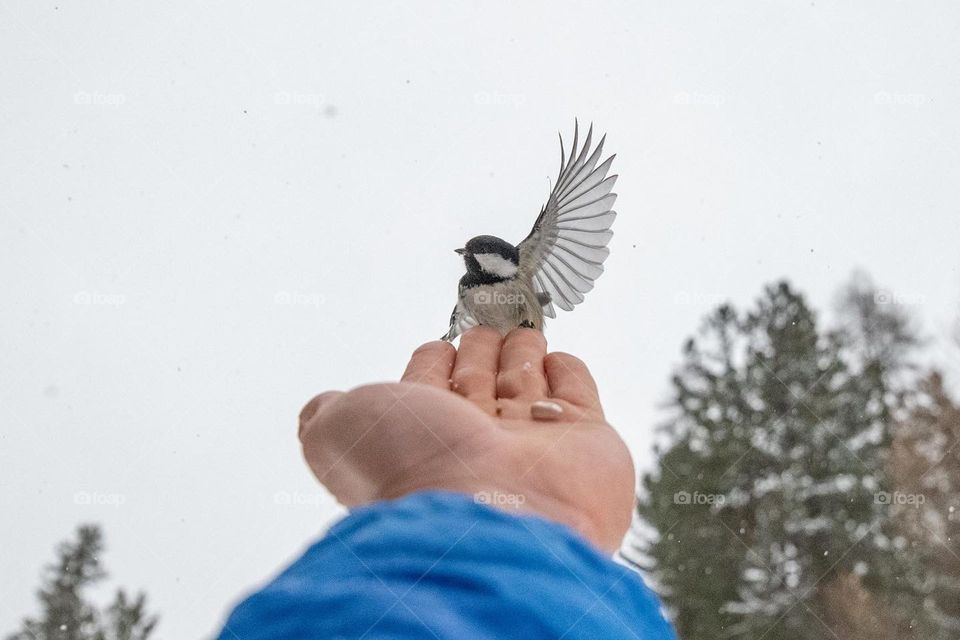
[
  {"x": 460, "y": 320},
  {"x": 564, "y": 252}
]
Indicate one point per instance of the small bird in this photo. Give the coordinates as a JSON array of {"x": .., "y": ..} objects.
[{"x": 509, "y": 286}]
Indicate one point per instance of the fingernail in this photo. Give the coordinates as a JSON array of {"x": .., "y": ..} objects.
[{"x": 545, "y": 410}]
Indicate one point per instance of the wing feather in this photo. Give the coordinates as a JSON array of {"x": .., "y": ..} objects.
[
  {"x": 583, "y": 267},
  {"x": 593, "y": 255},
  {"x": 564, "y": 253},
  {"x": 590, "y": 182},
  {"x": 567, "y": 292},
  {"x": 548, "y": 308},
  {"x": 586, "y": 172},
  {"x": 574, "y": 171},
  {"x": 584, "y": 207},
  {"x": 460, "y": 319}
]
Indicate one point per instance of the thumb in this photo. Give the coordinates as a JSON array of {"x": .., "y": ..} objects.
[{"x": 313, "y": 408}]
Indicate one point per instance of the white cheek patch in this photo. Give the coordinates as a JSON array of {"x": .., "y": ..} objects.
[{"x": 495, "y": 264}]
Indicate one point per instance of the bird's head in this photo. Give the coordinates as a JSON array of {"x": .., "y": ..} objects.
[{"x": 490, "y": 256}]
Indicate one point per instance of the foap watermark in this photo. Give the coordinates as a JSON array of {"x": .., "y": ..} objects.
[
  {"x": 497, "y": 99},
  {"x": 98, "y": 498},
  {"x": 297, "y": 99},
  {"x": 498, "y": 297},
  {"x": 685, "y": 498},
  {"x": 97, "y": 99},
  {"x": 907, "y": 299},
  {"x": 298, "y": 298},
  {"x": 899, "y": 498},
  {"x": 500, "y": 499},
  {"x": 694, "y": 98},
  {"x": 298, "y": 499},
  {"x": 98, "y": 299},
  {"x": 915, "y": 100}
]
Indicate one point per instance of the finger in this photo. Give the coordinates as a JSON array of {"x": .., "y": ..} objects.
[
  {"x": 570, "y": 380},
  {"x": 475, "y": 370},
  {"x": 313, "y": 408},
  {"x": 431, "y": 364},
  {"x": 521, "y": 365}
]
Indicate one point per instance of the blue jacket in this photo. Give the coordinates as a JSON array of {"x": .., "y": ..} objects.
[{"x": 437, "y": 565}]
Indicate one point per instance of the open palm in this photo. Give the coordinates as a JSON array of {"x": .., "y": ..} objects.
[{"x": 461, "y": 421}]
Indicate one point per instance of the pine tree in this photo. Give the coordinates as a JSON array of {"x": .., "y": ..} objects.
[
  {"x": 926, "y": 467},
  {"x": 767, "y": 489},
  {"x": 66, "y": 615}
]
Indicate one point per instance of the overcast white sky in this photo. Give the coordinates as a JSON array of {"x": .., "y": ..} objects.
[{"x": 211, "y": 212}]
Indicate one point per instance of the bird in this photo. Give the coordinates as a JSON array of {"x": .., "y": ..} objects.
[{"x": 507, "y": 286}]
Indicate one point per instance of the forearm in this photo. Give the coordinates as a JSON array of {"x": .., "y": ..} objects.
[{"x": 440, "y": 565}]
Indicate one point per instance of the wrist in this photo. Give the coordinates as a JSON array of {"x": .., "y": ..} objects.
[{"x": 509, "y": 499}]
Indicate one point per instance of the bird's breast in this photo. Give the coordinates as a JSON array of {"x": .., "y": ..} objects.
[{"x": 504, "y": 305}]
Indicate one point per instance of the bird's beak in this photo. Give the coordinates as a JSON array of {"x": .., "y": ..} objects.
[{"x": 460, "y": 251}]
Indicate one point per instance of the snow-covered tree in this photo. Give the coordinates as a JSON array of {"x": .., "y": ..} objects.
[
  {"x": 772, "y": 482},
  {"x": 67, "y": 615}
]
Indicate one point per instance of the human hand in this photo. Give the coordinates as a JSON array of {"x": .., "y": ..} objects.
[{"x": 461, "y": 421}]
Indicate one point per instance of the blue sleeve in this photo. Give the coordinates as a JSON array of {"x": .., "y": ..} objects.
[{"x": 438, "y": 565}]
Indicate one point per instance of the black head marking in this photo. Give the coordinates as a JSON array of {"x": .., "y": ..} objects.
[
  {"x": 489, "y": 246},
  {"x": 493, "y": 244}
]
